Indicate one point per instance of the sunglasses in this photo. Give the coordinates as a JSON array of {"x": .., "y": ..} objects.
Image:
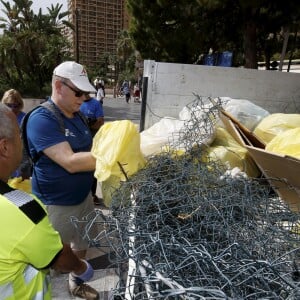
[
  {"x": 77, "y": 93},
  {"x": 12, "y": 105}
]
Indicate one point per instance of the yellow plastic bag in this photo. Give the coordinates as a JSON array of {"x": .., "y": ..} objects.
[
  {"x": 109, "y": 186},
  {"x": 19, "y": 184},
  {"x": 225, "y": 149},
  {"x": 275, "y": 124},
  {"x": 116, "y": 144},
  {"x": 286, "y": 143}
]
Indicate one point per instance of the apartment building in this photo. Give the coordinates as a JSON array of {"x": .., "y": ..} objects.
[{"x": 97, "y": 24}]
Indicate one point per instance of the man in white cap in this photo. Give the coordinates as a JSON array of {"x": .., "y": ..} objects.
[{"x": 63, "y": 172}]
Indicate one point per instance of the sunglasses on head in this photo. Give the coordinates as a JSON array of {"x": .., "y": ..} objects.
[
  {"x": 77, "y": 93},
  {"x": 12, "y": 105}
]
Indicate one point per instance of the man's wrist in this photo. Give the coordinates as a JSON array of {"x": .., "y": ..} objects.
[{"x": 87, "y": 274}]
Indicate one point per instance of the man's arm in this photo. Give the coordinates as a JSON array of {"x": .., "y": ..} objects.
[
  {"x": 73, "y": 162},
  {"x": 67, "y": 261}
]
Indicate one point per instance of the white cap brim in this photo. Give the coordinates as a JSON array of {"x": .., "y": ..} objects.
[
  {"x": 76, "y": 73},
  {"x": 83, "y": 84}
]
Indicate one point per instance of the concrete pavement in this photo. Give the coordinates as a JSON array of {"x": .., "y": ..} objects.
[
  {"x": 105, "y": 277},
  {"x": 119, "y": 109}
]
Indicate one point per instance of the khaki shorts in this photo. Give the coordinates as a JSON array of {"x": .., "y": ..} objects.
[{"x": 60, "y": 217}]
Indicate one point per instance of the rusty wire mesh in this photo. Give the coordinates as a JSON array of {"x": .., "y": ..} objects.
[{"x": 180, "y": 229}]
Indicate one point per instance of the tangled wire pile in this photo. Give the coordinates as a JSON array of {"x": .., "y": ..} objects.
[{"x": 184, "y": 230}]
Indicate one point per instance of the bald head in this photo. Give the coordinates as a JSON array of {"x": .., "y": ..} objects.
[{"x": 6, "y": 122}]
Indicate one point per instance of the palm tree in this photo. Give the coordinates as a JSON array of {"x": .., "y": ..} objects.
[
  {"x": 125, "y": 48},
  {"x": 58, "y": 18},
  {"x": 34, "y": 43}
]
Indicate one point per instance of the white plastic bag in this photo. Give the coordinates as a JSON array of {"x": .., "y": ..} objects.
[
  {"x": 246, "y": 112},
  {"x": 157, "y": 137}
]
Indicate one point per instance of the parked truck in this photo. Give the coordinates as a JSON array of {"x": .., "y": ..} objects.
[{"x": 168, "y": 87}]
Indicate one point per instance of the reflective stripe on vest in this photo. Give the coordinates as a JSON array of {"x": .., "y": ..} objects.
[
  {"x": 18, "y": 197},
  {"x": 29, "y": 273},
  {"x": 28, "y": 205},
  {"x": 46, "y": 285},
  {"x": 6, "y": 290},
  {"x": 41, "y": 294}
]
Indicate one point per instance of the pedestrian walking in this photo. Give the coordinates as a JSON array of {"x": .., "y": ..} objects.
[
  {"x": 100, "y": 93},
  {"x": 126, "y": 90},
  {"x": 136, "y": 93}
]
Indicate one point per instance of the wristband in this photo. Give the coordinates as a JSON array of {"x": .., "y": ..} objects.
[{"x": 87, "y": 274}]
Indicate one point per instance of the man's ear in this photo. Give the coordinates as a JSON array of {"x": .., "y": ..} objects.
[
  {"x": 4, "y": 147},
  {"x": 58, "y": 85}
]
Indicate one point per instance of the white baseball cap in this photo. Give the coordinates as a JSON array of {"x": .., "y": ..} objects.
[{"x": 76, "y": 73}]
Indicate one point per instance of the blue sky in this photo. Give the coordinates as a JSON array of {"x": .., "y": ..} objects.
[
  {"x": 39, "y": 4},
  {"x": 42, "y": 4}
]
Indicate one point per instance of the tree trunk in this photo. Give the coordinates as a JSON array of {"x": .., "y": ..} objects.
[
  {"x": 250, "y": 49},
  {"x": 286, "y": 34},
  {"x": 267, "y": 58}
]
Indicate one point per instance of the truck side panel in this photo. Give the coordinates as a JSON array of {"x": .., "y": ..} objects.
[{"x": 171, "y": 86}]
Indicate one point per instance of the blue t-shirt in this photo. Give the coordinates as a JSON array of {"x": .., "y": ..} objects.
[
  {"x": 50, "y": 182},
  {"x": 20, "y": 117},
  {"x": 125, "y": 87},
  {"x": 92, "y": 108}
]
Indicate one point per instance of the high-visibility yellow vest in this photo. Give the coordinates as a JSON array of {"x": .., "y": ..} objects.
[{"x": 28, "y": 245}]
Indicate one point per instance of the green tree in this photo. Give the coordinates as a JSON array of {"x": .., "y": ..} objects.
[
  {"x": 126, "y": 57},
  {"x": 119, "y": 65},
  {"x": 181, "y": 31},
  {"x": 104, "y": 68},
  {"x": 31, "y": 46},
  {"x": 125, "y": 49},
  {"x": 164, "y": 30}
]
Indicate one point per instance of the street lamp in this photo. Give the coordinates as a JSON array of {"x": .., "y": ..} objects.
[{"x": 77, "y": 33}]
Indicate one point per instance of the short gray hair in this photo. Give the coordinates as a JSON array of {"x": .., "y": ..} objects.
[{"x": 6, "y": 125}]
